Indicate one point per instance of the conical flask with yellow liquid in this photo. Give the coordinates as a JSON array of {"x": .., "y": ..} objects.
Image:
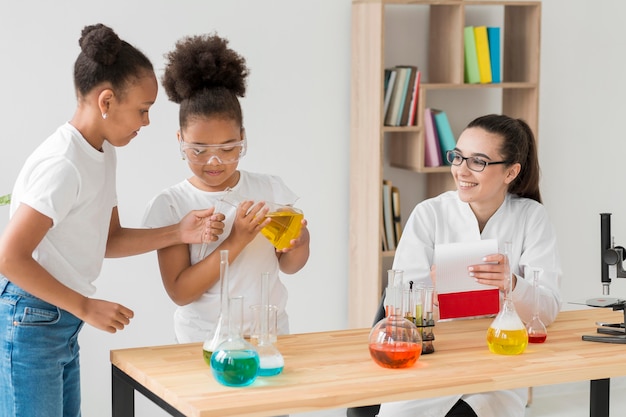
[{"x": 507, "y": 333}]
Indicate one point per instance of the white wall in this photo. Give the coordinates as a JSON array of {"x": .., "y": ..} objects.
[{"x": 298, "y": 102}]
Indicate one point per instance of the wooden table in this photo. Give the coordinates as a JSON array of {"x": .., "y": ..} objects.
[{"x": 334, "y": 370}]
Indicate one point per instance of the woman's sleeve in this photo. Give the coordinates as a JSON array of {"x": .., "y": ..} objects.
[
  {"x": 539, "y": 251},
  {"x": 414, "y": 253}
]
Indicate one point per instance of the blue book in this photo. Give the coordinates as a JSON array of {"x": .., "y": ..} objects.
[
  {"x": 493, "y": 34},
  {"x": 444, "y": 130}
]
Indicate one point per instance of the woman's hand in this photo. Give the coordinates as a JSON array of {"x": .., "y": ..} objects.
[{"x": 493, "y": 272}]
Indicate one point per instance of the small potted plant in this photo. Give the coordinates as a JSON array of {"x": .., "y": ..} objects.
[{"x": 5, "y": 199}]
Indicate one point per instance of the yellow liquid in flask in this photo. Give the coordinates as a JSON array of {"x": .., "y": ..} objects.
[
  {"x": 507, "y": 342},
  {"x": 284, "y": 227}
]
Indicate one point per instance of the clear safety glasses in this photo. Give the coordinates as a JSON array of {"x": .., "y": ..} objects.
[
  {"x": 227, "y": 153},
  {"x": 474, "y": 163}
]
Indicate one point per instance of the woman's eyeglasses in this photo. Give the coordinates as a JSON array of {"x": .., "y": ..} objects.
[{"x": 473, "y": 162}]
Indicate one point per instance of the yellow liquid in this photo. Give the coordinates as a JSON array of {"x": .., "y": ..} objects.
[
  {"x": 507, "y": 342},
  {"x": 284, "y": 227}
]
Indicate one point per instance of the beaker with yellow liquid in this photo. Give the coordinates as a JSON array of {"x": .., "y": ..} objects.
[
  {"x": 285, "y": 224},
  {"x": 507, "y": 333}
]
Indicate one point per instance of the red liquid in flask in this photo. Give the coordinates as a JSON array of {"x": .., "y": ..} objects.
[
  {"x": 396, "y": 355},
  {"x": 537, "y": 338}
]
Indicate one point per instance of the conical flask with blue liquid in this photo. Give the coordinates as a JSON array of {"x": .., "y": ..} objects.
[{"x": 235, "y": 362}]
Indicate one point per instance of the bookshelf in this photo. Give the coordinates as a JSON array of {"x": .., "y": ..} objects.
[{"x": 379, "y": 151}]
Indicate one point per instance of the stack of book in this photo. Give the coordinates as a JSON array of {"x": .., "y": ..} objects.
[
  {"x": 391, "y": 229},
  {"x": 482, "y": 55},
  {"x": 438, "y": 137},
  {"x": 401, "y": 95}
]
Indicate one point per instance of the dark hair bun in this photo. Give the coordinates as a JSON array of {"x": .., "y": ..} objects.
[
  {"x": 100, "y": 43},
  {"x": 203, "y": 62}
]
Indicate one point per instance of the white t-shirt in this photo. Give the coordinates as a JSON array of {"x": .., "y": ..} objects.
[
  {"x": 73, "y": 184},
  {"x": 447, "y": 219},
  {"x": 194, "y": 321}
]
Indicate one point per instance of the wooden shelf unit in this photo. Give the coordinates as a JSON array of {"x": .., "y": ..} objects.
[{"x": 519, "y": 90}]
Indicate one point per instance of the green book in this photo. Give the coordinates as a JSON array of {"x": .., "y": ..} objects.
[{"x": 472, "y": 74}]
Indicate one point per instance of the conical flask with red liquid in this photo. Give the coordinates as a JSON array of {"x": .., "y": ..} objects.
[
  {"x": 507, "y": 334},
  {"x": 395, "y": 342},
  {"x": 537, "y": 332}
]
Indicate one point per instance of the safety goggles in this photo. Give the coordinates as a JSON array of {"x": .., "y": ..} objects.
[{"x": 227, "y": 153}]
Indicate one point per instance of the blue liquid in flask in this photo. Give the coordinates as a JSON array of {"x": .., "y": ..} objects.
[
  {"x": 235, "y": 368},
  {"x": 271, "y": 365}
]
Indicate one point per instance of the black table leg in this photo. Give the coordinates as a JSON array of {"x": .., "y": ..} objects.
[
  {"x": 123, "y": 394},
  {"x": 124, "y": 388},
  {"x": 599, "y": 397}
]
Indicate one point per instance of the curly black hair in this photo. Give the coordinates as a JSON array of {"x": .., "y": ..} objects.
[
  {"x": 104, "y": 57},
  {"x": 205, "y": 77}
]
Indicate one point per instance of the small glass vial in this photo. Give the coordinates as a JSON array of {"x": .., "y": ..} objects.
[{"x": 428, "y": 320}]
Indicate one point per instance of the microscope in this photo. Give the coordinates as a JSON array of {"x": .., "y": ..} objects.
[{"x": 611, "y": 258}]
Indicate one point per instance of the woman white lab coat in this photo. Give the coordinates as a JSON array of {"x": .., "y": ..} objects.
[{"x": 447, "y": 219}]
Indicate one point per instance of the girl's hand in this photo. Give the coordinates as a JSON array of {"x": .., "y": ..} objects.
[
  {"x": 105, "y": 315},
  {"x": 214, "y": 226},
  {"x": 249, "y": 220},
  {"x": 302, "y": 239},
  {"x": 493, "y": 272},
  {"x": 199, "y": 226}
]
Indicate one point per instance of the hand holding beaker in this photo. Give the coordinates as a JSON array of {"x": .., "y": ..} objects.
[
  {"x": 281, "y": 224},
  {"x": 284, "y": 227}
]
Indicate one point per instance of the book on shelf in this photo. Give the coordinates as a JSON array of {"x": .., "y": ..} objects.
[
  {"x": 397, "y": 97},
  {"x": 493, "y": 35},
  {"x": 432, "y": 148},
  {"x": 390, "y": 80},
  {"x": 397, "y": 218},
  {"x": 482, "y": 54},
  {"x": 472, "y": 75},
  {"x": 388, "y": 215},
  {"x": 447, "y": 142},
  {"x": 414, "y": 99},
  {"x": 405, "y": 105},
  {"x": 383, "y": 234}
]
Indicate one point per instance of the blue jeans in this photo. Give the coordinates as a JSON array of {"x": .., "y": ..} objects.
[{"x": 39, "y": 365}]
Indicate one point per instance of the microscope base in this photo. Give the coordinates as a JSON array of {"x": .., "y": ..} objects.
[{"x": 617, "y": 331}]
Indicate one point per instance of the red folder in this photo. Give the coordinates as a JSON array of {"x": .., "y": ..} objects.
[{"x": 469, "y": 304}]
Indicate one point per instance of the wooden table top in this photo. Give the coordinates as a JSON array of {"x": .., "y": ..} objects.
[{"x": 334, "y": 369}]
